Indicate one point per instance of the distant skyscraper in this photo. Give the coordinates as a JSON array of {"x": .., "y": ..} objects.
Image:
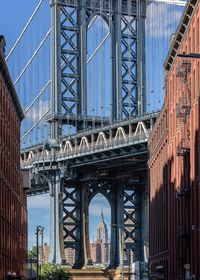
[
  {"x": 102, "y": 231},
  {"x": 45, "y": 253},
  {"x": 101, "y": 247}
]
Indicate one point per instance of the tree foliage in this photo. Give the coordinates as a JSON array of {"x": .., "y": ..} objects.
[
  {"x": 32, "y": 253},
  {"x": 54, "y": 272}
]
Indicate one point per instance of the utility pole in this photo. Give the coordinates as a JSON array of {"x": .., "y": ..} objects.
[
  {"x": 42, "y": 245},
  {"x": 38, "y": 231}
]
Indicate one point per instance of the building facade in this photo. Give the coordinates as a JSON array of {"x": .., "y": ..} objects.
[
  {"x": 45, "y": 253},
  {"x": 99, "y": 249},
  {"x": 69, "y": 256},
  {"x": 174, "y": 169},
  {"x": 13, "y": 213}
]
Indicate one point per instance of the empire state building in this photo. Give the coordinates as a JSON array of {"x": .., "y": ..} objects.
[{"x": 101, "y": 247}]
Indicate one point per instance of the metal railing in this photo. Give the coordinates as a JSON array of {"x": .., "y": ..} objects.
[{"x": 92, "y": 148}]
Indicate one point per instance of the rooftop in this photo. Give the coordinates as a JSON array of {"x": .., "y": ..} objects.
[
  {"x": 180, "y": 33},
  {"x": 6, "y": 75}
]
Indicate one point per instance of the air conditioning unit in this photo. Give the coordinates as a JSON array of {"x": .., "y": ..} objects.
[{"x": 26, "y": 179}]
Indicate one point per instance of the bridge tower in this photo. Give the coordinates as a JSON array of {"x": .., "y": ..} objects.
[{"x": 72, "y": 188}]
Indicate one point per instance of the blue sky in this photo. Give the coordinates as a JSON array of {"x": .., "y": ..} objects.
[
  {"x": 13, "y": 17},
  {"x": 159, "y": 27}
]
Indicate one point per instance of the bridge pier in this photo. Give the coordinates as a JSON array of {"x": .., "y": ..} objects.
[
  {"x": 55, "y": 218},
  {"x": 116, "y": 227},
  {"x": 75, "y": 174},
  {"x": 84, "y": 221},
  {"x": 125, "y": 219},
  {"x": 76, "y": 222}
]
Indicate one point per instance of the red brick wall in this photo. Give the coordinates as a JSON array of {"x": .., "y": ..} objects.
[
  {"x": 175, "y": 220},
  {"x": 13, "y": 216},
  {"x": 158, "y": 192}
]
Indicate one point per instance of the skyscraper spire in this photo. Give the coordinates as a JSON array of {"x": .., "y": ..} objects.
[
  {"x": 102, "y": 217},
  {"x": 100, "y": 249}
]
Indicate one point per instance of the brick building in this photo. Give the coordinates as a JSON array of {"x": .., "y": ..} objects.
[
  {"x": 13, "y": 215},
  {"x": 174, "y": 169}
]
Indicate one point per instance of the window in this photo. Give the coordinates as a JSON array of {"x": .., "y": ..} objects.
[
  {"x": 193, "y": 48},
  {"x": 197, "y": 34}
]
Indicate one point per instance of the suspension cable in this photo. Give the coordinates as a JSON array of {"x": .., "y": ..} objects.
[
  {"x": 24, "y": 30},
  {"x": 35, "y": 124},
  {"x": 92, "y": 21},
  {"x": 33, "y": 56},
  {"x": 99, "y": 46},
  {"x": 37, "y": 97}
]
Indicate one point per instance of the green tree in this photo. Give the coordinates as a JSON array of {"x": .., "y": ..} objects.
[
  {"x": 54, "y": 272},
  {"x": 32, "y": 253}
]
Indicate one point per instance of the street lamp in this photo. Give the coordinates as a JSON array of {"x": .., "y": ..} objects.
[
  {"x": 39, "y": 230},
  {"x": 189, "y": 55},
  {"x": 42, "y": 245}
]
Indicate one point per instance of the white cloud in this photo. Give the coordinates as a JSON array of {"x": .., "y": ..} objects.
[
  {"x": 162, "y": 19},
  {"x": 39, "y": 202},
  {"x": 37, "y": 111}
]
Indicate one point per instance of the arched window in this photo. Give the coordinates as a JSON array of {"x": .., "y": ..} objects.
[{"x": 99, "y": 229}]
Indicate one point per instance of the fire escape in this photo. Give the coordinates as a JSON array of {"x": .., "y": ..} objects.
[{"x": 183, "y": 153}]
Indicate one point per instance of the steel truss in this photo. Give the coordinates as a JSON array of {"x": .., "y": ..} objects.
[
  {"x": 72, "y": 219},
  {"x": 70, "y": 20},
  {"x": 118, "y": 174},
  {"x": 98, "y": 145},
  {"x": 132, "y": 220},
  {"x": 69, "y": 61}
]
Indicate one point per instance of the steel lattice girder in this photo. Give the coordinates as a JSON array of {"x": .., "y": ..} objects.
[
  {"x": 71, "y": 218},
  {"x": 104, "y": 5},
  {"x": 69, "y": 60},
  {"x": 129, "y": 66},
  {"x": 132, "y": 220}
]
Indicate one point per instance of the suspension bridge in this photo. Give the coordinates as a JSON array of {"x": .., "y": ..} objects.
[{"x": 89, "y": 77}]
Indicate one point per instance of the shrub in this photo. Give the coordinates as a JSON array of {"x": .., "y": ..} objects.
[{"x": 54, "y": 272}]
